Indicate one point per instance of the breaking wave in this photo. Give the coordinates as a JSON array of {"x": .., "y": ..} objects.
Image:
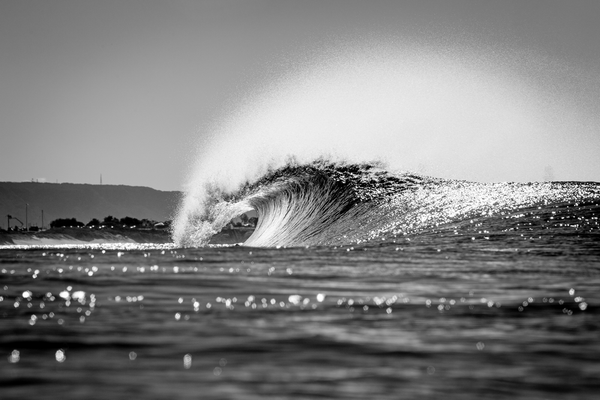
[{"x": 324, "y": 203}]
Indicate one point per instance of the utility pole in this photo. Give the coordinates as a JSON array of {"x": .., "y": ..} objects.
[
  {"x": 101, "y": 179},
  {"x": 26, "y": 223},
  {"x": 42, "y": 219}
]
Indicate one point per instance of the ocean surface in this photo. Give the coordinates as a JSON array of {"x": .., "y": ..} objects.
[{"x": 388, "y": 287}]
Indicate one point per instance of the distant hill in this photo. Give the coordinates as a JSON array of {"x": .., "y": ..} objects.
[{"x": 83, "y": 202}]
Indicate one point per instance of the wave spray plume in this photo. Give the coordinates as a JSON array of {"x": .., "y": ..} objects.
[{"x": 416, "y": 109}]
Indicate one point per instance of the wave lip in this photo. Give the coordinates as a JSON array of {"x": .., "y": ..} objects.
[{"x": 335, "y": 203}]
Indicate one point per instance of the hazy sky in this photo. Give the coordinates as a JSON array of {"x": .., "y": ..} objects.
[{"x": 132, "y": 90}]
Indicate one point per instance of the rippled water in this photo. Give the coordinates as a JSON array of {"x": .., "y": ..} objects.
[{"x": 464, "y": 311}]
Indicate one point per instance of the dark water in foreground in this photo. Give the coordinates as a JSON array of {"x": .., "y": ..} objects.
[{"x": 460, "y": 312}]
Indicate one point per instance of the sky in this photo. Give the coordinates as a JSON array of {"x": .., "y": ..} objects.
[{"x": 147, "y": 93}]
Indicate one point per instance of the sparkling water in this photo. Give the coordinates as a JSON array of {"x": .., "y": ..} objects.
[{"x": 492, "y": 307}]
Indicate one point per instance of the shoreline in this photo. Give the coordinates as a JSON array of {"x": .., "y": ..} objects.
[
  {"x": 57, "y": 236},
  {"x": 65, "y": 236}
]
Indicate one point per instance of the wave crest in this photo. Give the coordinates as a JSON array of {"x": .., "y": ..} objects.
[{"x": 333, "y": 203}]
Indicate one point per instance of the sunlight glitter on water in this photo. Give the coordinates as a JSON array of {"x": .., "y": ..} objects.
[
  {"x": 61, "y": 356},
  {"x": 360, "y": 313},
  {"x": 94, "y": 246}
]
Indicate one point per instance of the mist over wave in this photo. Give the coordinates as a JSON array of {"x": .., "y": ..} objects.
[{"x": 451, "y": 114}]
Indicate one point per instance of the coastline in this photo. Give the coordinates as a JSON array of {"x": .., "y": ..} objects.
[
  {"x": 65, "y": 236},
  {"x": 58, "y": 236}
]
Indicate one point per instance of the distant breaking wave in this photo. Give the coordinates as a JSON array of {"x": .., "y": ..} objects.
[{"x": 324, "y": 203}]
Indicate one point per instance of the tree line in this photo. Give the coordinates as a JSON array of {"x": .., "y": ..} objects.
[
  {"x": 130, "y": 222},
  {"x": 109, "y": 221}
]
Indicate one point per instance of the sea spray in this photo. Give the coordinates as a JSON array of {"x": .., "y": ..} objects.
[
  {"x": 210, "y": 214},
  {"x": 451, "y": 112}
]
